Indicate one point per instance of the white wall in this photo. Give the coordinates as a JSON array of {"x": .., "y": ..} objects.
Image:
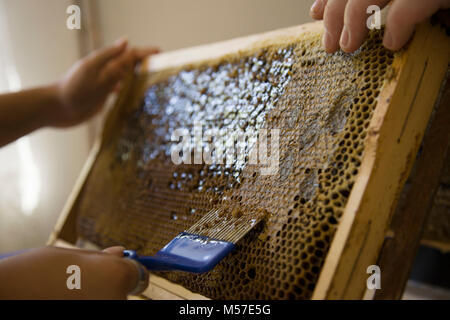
[
  {"x": 42, "y": 49},
  {"x": 173, "y": 24}
]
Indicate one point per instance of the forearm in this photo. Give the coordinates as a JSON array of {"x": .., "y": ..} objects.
[{"x": 25, "y": 111}]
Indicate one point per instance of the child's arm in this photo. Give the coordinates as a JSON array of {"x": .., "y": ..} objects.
[
  {"x": 76, "y": 97},
  {"x": 42, "y": 274},
  {"x": 345, "y": 21}
]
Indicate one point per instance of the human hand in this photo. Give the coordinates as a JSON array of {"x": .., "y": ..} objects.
[
  {"x": 345, "y": 21},
  {"x": 84, "y": 88},
  {"x": 41, "y": 274}
]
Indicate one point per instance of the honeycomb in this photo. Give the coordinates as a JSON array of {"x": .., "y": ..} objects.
[
  {"x": 322, "y": 104},
  {"x": 437, "y": 228}
]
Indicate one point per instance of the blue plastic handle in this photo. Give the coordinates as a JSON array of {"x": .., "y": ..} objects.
[{"x": 186, "y": 252}]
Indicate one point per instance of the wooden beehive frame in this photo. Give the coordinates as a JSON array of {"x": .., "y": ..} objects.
[{"x": 394, "y": 135}]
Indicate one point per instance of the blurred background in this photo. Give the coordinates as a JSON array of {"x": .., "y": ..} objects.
[{"x": 38, "y": 172}]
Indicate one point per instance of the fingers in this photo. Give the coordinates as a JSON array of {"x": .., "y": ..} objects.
[
  {"x": 136, "y": 277},
  {"x": 333, "y": 19},
  {"x": 140, "y": 54},
  {"x": 115, "y": 251},
  {"x": 102, "y": 56},
  {"x": 355, "y": 23},
  {"x": 317, "y": 9},
  {"x": 403, "y": 17},
  {"x": 443, "y": 16},
  {"x": 120, "y": 66}
]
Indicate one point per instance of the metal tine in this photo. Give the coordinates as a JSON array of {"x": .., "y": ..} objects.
[{"x": 204, "y": 220}]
